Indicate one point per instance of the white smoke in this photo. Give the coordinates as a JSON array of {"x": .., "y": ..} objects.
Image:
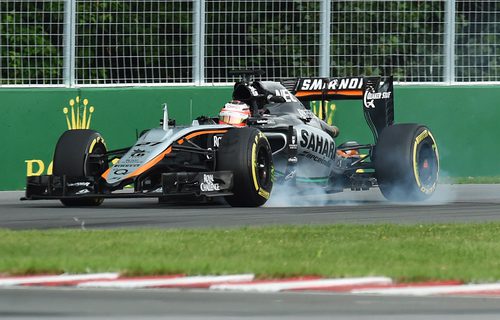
[
  {"x": 297, "y": 196},
  {"x": 445, "y": 193},
  {"x": 316, "y": 196}
]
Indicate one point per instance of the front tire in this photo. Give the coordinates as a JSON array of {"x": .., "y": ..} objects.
[
  {"x": 247, "y": 153},
  {"x": 71, "y": 160},
  {"x": 406, "y": 162}
]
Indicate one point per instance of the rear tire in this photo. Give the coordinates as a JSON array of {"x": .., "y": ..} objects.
[
  {"x": 406, "y": 162},
  {"x": 247, "y": 153},
  {"x": 71, "y": 159}
]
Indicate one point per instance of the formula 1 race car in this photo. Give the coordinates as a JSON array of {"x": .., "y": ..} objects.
[{"x": 281, "y": 142}]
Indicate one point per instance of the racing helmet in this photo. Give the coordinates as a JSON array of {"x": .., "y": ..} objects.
[{"x": 235, "y": 113}]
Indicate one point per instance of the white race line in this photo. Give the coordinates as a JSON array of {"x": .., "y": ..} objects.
[
  {"x": 301, "y": 284},
  {"x": 432, "y": 290},
  {"x": 14, "y": 281},
  {"x": 179, "y": 281}
]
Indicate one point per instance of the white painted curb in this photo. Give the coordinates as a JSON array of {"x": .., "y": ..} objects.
[
  {"x": 432, "y": 290},
  {"x": 178, "y": 281},
  {"x": 301, "y": 284},
  {"x": 13, "y": 281},
  {"x": 248, "y": 283}
]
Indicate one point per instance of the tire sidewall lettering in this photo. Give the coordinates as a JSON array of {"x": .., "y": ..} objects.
[
  {"x": 96, "y": 141},
  {"x": 256, "y": 145},
  {"x": 424, "y": 137}
]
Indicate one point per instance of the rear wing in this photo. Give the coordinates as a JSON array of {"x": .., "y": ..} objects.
[{"x": 376, "y": 93}]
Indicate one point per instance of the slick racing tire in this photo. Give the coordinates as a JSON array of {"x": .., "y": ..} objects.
[
  {"x": 247, "y": 153},
  {"x": 406, "y": 162},
  {"x": 71, "y": 159}
]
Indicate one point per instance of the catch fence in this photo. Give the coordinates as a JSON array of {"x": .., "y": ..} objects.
[{"x": 196, "y": 42}]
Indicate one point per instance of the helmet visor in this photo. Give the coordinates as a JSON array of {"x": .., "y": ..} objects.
[{"x": 232, "y": 118}]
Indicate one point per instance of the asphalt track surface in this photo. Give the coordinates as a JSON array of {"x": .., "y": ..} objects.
[
  {"x": 37, "y": 303},
  {"x": 451, "y": 203}
]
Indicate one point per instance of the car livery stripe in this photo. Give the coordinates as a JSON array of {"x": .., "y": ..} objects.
[
  {"x": 150, "y": 164},
  {"x": 199, "y": 133},
  {"x": 159, "y": 157},
  {"x": 106, "y": 173}
]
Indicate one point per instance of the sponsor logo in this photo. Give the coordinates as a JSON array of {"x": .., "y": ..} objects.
[
  {"x": 253, "y": 91},
  {"x": 315, "y": 158},
  {"x": 83, "y": 191},
  {"x": 370, "y": 96},
  {"x": 305, "y": 114},
  {"x": 316, "y": 84},
  {"x": 120, "y": 172},
  {"x": 128, "y": 165},
  {"x": 79, "y": 184},
  {"x": 217, "y": 140},
  {"x": 293, "y": 160},
  {"x": 263, "y": 193},
  {"x": 291, "y": 175},
  {"x": 138, "y": 153},
  {"x": 287, "y": 95},
  {"x": 78, "y": 116},
  {"x": 293, "y": 143},
  {"x": 208, "y": 183},
  {"x": 148, "y": 143},
  {"x": 134, "y": 159},
  {"x": 317, "y": 144},
  {"x": 264, "y": 121}
]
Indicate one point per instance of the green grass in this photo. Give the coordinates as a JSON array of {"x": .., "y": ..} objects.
[
  {"x": 470, "y": 180},
  {"x": 469, "y": 252}
]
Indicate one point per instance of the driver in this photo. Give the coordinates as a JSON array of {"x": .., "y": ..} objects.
[{"x": 235, "y": 113}]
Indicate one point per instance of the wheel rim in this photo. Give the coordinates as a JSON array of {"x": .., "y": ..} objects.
[
  {"x": 263, "y": 167},
  {"x": 94, "y": 169},
  {"x": 427, "y": 165}
]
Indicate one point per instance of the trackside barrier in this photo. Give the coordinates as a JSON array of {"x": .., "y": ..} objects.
[{"x": 464, "y": 121}]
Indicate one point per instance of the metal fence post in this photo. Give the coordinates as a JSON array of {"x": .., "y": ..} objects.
[
  {"x": 324, "y": 51},
  {"x": 449, "y": 41},
  {"x": 198, "y": 41},
  {"x": 69, "y": 43}
]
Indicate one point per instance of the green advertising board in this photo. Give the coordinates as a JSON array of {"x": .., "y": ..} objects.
[{"x": 464, "y": 121}]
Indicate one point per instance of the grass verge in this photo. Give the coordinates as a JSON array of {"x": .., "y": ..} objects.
[
  {"x": 469, "y": 252},
  {"x": 470, "y": 180}
]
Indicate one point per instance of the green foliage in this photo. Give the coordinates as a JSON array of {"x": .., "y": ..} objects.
[
  {"x": 30, "y": 48},
  {"x": 126, "y": 30},
  {"x": 402, "y": 38},
  {"x": 283, "y": 35},
  {"x": 478, "y": 41}
]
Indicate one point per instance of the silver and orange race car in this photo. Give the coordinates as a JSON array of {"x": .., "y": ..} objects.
[{"x": 282, "y": 142}]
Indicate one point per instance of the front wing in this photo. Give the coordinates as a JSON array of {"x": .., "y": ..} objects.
[{"x": 210, "y": 184}]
